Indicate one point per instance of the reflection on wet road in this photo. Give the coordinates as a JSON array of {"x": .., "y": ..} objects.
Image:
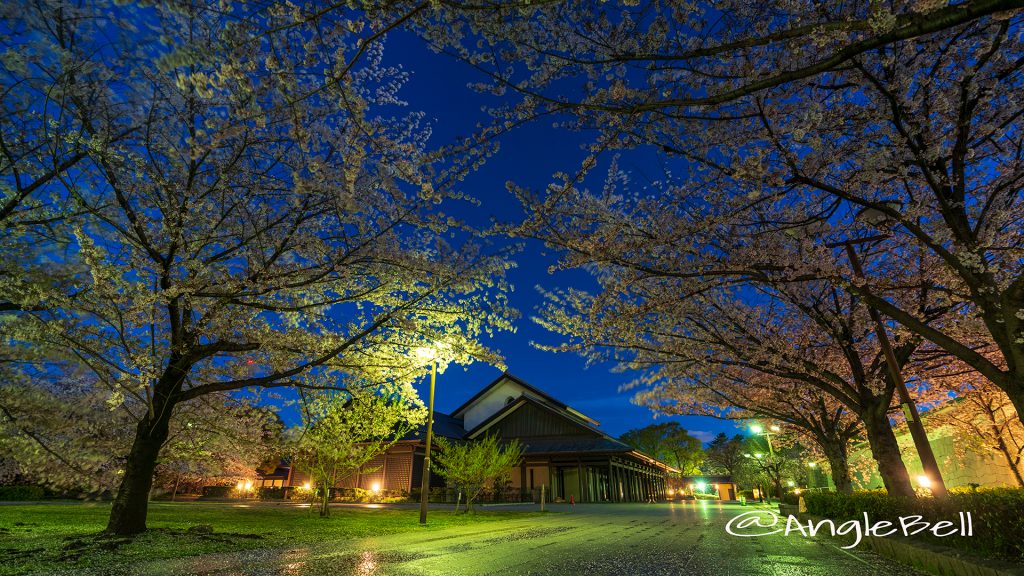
[{"x": 595, "y": 540}]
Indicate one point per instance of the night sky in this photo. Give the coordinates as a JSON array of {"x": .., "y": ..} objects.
[{"x": 528, "y": 156}]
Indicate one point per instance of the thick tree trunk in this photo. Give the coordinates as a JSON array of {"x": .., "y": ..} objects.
[
  {"x": 886, "y": 452},
  {"x": 835, "y": 452},
  {"x": 131, "y": 505}
]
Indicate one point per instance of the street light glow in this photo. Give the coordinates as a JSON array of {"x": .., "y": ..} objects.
[
  {"x": 426, "y": 353},
  {"x": 775, "y": 428},
  {"x": 924, "y": 481},
  {"x": 756, "y": 429},
  {"x": 701, "y": 486},
  {"x": 812, "y": 464}
]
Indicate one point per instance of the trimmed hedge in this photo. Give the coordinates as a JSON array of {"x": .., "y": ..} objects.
[
  {"x": 997, "y": 515},
  {"x": 21, "y": 493},
  {"x": 217, "y": 491},
  {"x": 270, "y": 493},
  {"x": 791, "y": 498}
]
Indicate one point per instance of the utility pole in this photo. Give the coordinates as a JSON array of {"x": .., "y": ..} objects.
[{"x": 917, "y": 431}]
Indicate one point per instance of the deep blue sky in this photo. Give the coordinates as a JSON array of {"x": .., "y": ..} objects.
[{"x": 528, "y": 156}]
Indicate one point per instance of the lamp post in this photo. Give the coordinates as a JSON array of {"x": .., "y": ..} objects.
[
  {"x": 431, "y": 354},
  {"x": 917, "y": 432},
  {"x": 759, "y": 430}
]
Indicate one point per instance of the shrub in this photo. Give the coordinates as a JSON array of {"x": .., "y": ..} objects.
[
  {"x": 217, "y": 491},
  {"x": 270, "y": 493},
  {"x": 791, "y": 498},
  {"x": 995, "y": 512},
  {"x": 21, "y": 493}
]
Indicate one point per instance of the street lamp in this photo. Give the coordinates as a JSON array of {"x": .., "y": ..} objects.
[
  {"x": 427, "y": 353},
  {"x": 759, "y": 430},
  {"x": 917, "y": 431}
]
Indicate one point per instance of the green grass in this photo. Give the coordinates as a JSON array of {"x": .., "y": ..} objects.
[{"x": 37, "y": 537}]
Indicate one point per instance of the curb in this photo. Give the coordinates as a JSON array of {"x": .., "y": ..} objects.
[{"x": 932, "y": 558}]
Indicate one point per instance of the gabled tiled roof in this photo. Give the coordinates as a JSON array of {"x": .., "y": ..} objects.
[
  {"x": 529, "y": 399},
  {"x": 547, "y": 398},
  {"x": 445, "y": 426},
  {"x": 558, "y": 445}
]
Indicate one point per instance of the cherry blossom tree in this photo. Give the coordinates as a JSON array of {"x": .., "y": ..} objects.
[
  {"x": 245, "y": 230},
  {"x": 700, "y": 350},
  {"x": 914, "y": 144},
  {"x": 60, "y": 430}
]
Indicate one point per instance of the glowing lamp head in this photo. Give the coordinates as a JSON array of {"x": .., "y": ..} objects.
[
  {"x": 756, "y": 429},
  {"x": 775, "y": 428},
  {"x": 701, "y": 486},
  {"x": 758, "y": 454},
  {"x": 426, "y": 353},
  {"x": 248, "y": 484},
  {"x": 240, "y": 485},
  {"x": 812, "y": 464},
  {"x": 671, "y": 491},
  {"x": 375, "y": 487},
  {"x": 924, "y": 481},
  {"x": 797, "y": 491},
  {"x": 307, "y": 486}
]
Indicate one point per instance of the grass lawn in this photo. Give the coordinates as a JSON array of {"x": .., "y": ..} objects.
[{"x": 50, "y": 536}]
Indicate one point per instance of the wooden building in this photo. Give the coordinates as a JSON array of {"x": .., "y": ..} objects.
[{"x": 565, "y": 453}]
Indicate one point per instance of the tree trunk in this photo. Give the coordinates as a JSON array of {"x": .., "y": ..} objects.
[
  {"x": 174, "y": 493},
  {"x": 131, "y": 505},
  {"x": 325, "y": 501},
  {"x": 886, "y": 452},
  {"x": 840, "y": 466}
]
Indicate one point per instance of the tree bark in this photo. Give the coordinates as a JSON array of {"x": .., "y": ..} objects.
[
  {"x": 886, "y": 452},
  {"x": 131, "y": 505},
  {"x": 840, "y": 466},
  {"x": 325, "y": 501}
]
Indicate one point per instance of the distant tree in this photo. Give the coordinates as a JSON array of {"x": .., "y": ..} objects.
[
  {"x": 668, "y": 442},
  {"x": 343, "y": 432},
  {"x": 475, "y": 466},
  {"x": 771, "y": 466},
  {"x": 724, "y": 455}
]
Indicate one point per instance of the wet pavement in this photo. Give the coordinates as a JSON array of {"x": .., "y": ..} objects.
[{"x": 592, "y": 540}]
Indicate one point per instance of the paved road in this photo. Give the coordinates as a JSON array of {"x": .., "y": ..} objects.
[{"x": 592, "y": 540}]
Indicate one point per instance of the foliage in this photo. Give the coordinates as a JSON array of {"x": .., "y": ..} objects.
[
  {"x": 791, "y": 498},
  {"x": 984, "y": 421},
  {"x": 670, "y": 443},
  {"x": 472, "y": 467},
  {"x": 62, "y": 431},
  {"x": 222, "y": 491},
  {"x": 343, "y": 432},
  {"x": 16, "y": 493},
  {"x": 724, "y": 455},
  {"x": 995, "y": 513},
  {"x": 270, "y": 493}
]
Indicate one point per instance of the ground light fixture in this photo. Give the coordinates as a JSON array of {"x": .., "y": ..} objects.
[{"x": 924, "y": 481}]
